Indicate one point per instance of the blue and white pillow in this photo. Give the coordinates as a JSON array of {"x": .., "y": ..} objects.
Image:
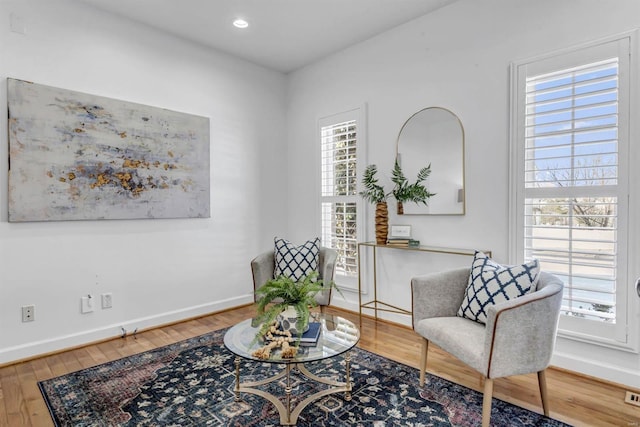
[
  {"x": 296, "y": 262},
  {"x": 491, "y": 283}
]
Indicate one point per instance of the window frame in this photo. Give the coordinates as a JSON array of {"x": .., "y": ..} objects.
[
  {"x": 345, "y": 282},
  {"x": 624, "y": 333}
]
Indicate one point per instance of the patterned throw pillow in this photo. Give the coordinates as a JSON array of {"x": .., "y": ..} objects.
[
  {"x": 491, "y": 283},
  {"x": 296, "y": 262}
]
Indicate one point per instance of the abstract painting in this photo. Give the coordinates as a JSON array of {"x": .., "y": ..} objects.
[{"x": 75, "y": 156}]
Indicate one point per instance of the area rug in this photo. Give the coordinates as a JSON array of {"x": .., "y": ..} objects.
[{"x": 191, "y": 383}]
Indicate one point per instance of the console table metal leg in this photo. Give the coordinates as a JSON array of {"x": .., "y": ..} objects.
[
  {"x": 360, "y": 285},
  {"x": 375, "y": 282}
]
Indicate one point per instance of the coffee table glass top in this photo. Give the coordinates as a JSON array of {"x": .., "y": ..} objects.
[{"x": 337, "y": 335}]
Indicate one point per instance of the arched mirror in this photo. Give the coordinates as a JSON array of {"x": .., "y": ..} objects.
[{"x": 434, "y": 136}]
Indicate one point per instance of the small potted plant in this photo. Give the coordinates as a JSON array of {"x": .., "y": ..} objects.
[
  {"x": 284, "y": 298},
  {"x": 374, "y": 193},
  {"x": 402, "y": 191}
]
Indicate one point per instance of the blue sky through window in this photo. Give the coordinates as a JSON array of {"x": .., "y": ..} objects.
[{"x": 572, "y": 125}]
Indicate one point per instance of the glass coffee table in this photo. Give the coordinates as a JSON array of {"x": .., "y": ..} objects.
[{"x": 337, "y": 336}]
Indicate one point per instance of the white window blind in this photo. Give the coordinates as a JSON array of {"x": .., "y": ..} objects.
[
  {"x": 339, "y": 161},
  {"x": 570, "y": 192},
  {"x": 339, "y": 206},
  {"x": 572, "y": 156}
]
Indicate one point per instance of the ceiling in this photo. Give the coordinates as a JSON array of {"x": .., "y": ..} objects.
[{"x": 283, "y": 35}]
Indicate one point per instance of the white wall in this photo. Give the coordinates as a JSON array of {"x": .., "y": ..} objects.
[
  {"x": 457, "y": 58},
  {"x": 157, "y": 270}
]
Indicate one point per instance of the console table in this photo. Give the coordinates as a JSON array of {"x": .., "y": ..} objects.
[{"x": 377, "y": 305}]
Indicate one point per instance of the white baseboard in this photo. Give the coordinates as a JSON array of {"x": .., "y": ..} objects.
[
  {"x": 43, "y": 347},
  {"x": 597, "y": 369}
]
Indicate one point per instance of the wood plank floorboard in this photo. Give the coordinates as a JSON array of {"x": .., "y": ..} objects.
[
  {"x": 575, "y": 399},
  {"x": 15, "y": 404}
]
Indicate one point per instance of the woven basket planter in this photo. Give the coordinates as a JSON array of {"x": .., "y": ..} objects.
[{"x": 382, "y": 223}]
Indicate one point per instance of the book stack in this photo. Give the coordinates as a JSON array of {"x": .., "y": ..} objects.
[
  {"x": 403, "y": 242},
  {"x": 310, "y": 338}
]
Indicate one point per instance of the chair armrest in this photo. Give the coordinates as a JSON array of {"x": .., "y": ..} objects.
[
  {"x": 438, "y": 294},
  {"x": 262, "y": 268},
  {"x": 327, "y": 267},
  {"x": 521, "y": 333},
  {"x": 327, "y": 263}
]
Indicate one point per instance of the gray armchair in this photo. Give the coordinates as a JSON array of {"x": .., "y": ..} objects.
[
  {"x": 518, "y": 337},
  {"x": 263, "y": 266}
]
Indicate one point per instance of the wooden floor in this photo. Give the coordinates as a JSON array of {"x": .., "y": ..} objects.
[{"x": 575, "y": 399}]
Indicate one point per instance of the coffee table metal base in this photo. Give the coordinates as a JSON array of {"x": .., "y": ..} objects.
[{"x": 289, "y": 416}]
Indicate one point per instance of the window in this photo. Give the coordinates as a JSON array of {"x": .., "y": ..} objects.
[
  {"x": 340, "y": 136},
  {"x": 571, "y": 198}
]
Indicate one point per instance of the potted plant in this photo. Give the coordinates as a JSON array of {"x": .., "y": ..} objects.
[
  {"x": 374, "y": 193},
  {"x": 403, "y": 191},
  {"x": 284, "y": 297}
]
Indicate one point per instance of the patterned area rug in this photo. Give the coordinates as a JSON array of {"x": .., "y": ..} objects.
[{"x": 191, "y": 383}]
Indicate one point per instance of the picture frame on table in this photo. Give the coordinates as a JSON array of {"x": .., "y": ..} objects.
[{"x": 400, "y": 231}]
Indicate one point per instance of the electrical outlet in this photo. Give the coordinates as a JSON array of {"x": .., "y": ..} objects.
[
  {"x": 632, "y": 398},
  {"x": 107, "y": 300},
  {"x": 28, "y": 313},
  {"x": 86, "y": 304}
]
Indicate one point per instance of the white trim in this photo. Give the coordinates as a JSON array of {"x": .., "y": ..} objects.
[
  {"x": 633, "y": 234},
  {"x": 628, "y": 330},
  {"x": 632, "y": 35},
  {"x": 516, "y": 177},
  {"x": 599, "y": 370},
  {"x": 349, "y": 284}
]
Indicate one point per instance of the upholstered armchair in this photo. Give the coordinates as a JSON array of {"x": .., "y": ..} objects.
[
  {"x": 263, "y": 266},
  {"x": 517, "y": 338}
]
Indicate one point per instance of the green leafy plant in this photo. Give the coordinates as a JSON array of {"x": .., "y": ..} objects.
[
  {"x": 373, "y": 192},
  {"x": 279, "y": 293},
  {"x": 403, "y": 191}
]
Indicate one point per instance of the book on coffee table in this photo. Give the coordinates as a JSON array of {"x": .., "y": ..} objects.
[{"x": 311, "y": 336}]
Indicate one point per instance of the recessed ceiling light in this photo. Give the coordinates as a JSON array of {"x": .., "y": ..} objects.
[{"x": 240, "y": 23}]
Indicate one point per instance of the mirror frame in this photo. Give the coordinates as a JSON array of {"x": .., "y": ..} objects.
[{"x": 462, "y": 142}]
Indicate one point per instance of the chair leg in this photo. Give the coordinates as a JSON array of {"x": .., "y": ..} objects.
[
  {"x": 486, "y": 401},
  {"x": 423, "y": 360},
  {"x": 542, "y": 383}
]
